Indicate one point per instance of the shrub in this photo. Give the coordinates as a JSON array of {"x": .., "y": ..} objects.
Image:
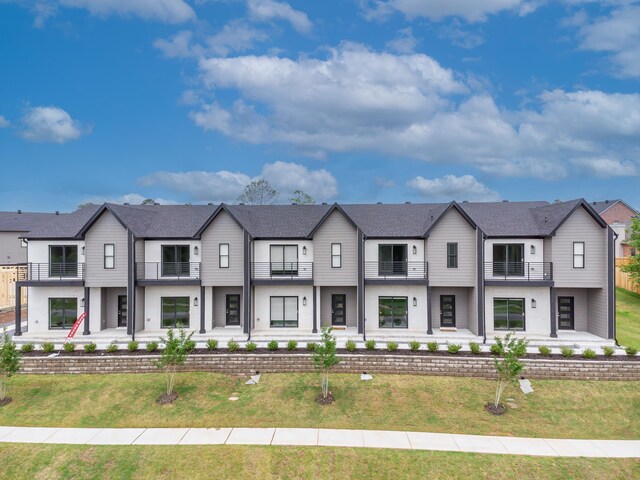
[
  {"x": 69, "y": 347},
  {"x": 311, "y": 346},
  {"x": 90, "y": 347},
  {"x": 433, "y": 347},
  {"x": 414, "y": 345},
  {"x": 27, "y": 347},
  {"x": 173, "y": 355},
  {"x": 631, "y": 351},
  {"x": 251, "y": 346},
  {"x": 566, "y": 351},
  {"x": 453, "y": 348},
  {"x": 475, "y": 348},
  {"x": 132, "y": 346},
  {"x": 292, "y": 345},
  {"x": 48, "y": 347},
  {"x": 496, "y": 350},
  {"x": 325, "y": 358},
  {"x": 9, "y": 362},
  {"x": 589, "y": 353},
  {"x": 272, "y": 345},
  {"x": 608, "y": 351},
  {"x": 190, "y": 345},
  {"x": 519, "y": 349},
  {"x": 392, "y": 346},
  {"x": 232, "y": 345},
  {"x": 544, "y": 350},
  {"x": 112, "y": 348},
  {"x": 350, "y": 346},
  {"x": 212, "y": 344},
  {"x": 509, "y": 366},
  {"x": 152, "y": 347},
  {"x": 370, "y": 344}
]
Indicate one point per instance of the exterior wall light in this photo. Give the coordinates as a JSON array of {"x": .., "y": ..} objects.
[
  {"x": 82, "y": 303},
  {"x": 304, "y": 250},
  {"x": 415, "y": 302},
  {"x": 304, "y": 301},
  {"x": 195, "y": 301},
  {"x": 195, "y": 250},
  {"x": 83, "y": 249},
  {"x": 533, "y": 249},
  {"x": 533, "y": 303},
  {"x": 415, "y": 250}
]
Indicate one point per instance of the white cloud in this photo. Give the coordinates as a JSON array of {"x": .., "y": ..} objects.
[
  {"x": 51, "y": 124},
  {"x": 265, "y": 10},
  {"x": 460, "y": 36},
  {"x": 404, "y": 42},
  {"x": 179, "y": 46},
  {"x": 4, "y": 123},
  {"x": 130, "y": 198},
  {"x": 450, "y": 187},
  {"x": 605, "y": 167},
  {"x": 166, "y": 11},
  {"x": 287, "y": 177}
]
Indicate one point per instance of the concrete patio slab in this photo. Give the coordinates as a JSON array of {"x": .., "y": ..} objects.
[
  {"x": 432, "y": 441},
  {"x": 619, "y": 448},
  {"x": 567, "y": 447},
  {"x": 73, "y": 436},
  {"x": 161, "y": 436},
  {"x": 384, "y": 439},
  {"x": 116, "y": 436},
  {"x": 206, "y": 436},
  {"x": 479, "y": 444},
  {"x": 528, "y": 446},
  {"x": 340, "y": 438},
  {"x": 251, "y": 436},
  {"x": 296, "y": 436},
  {"x": 29, "y": 434}
]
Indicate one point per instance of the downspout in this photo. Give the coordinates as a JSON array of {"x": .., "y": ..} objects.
[
  {"x": 484, "y": 317},
  {"x": 612, "y": 272},
  {"x": 247, "y": 285}
]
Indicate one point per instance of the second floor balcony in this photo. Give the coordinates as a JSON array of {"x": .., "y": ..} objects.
[
  {"x": 518, "y": 271},
  {"x": 301, "y": 272},
  {"x": 52, "y": 272},
  {"x": 168, "y": 272},
  {"x": 396, "y": 270}
]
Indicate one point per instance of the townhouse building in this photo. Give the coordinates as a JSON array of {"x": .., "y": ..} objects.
[{"x": 456, "y": 270}]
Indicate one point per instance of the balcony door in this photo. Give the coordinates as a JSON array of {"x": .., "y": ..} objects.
[
  {"x": 566, "y": 317},
  {"x": 175, "y": 260},
  {"x": 392, "y": 259},
  {"x": 508, "y": 259},
  {"x": 284, "y": 259},
  {"x": 63, "y": 261}
]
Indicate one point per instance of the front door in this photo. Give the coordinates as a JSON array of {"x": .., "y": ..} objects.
[
  {"x": 565, "y": 313},
  {"x": 233, "y": 310},
  {"x": 447, "y": 310},
  {"x": 122, "y": 310},
  {"x": 338, "y": 309}
]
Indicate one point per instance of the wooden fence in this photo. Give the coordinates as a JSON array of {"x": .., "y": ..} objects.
[
  {"x": 623, "y": 280},
  {"x": 8, "y": 287}
]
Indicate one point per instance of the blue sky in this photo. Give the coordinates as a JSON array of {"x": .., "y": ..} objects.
[{"x": 350, "y": 101}]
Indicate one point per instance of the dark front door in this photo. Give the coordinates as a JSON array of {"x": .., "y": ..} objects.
[
  {"x": 338, "y": 309},
  {"x": 447, "y": 310},
  {"x": 565, "y": 313},
  {"x": 122, "y": 310},
  {"x": 233, "y": 309}
]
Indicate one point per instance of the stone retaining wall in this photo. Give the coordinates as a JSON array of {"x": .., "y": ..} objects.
[{"x": 247, "y": 363}]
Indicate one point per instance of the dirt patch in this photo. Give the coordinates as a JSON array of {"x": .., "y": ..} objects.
[
  {"x": 325, "y": 401},
  {"x": 499, "y": 410},
  {"x": 5, "y": 400},
  {"x": 165, "y": 399}
]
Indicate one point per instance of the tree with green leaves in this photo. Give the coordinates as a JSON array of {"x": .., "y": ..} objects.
[
  {"x": 9, "y": 364},
  {"x": 175, "y": 352},
  {"x": 301, "y": 198},
  {"x": 148, "y": 201},
  {"x": 633, "y": 240},
  {"x": 325, "y": 358},
  {"x": 258, "y": 192},
  {"x": 508, "y": 364}
]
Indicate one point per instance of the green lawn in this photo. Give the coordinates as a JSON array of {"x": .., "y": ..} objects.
[
  {"x": 391, "y": 402},
  {"x": 628, "y": 317}
]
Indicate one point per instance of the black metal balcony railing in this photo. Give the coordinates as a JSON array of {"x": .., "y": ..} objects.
[
  {"x": 168, "y": 270},
  {"x": 51, "y": 272},
  {"x": 281, "y": 270},
  {"x": 395, "y": 270},
  {"x": 525, "y": 271}
]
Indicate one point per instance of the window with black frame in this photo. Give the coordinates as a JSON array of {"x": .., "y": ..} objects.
[
  {"x": 508, "y": 314},
  {"x": 284, "y": 260},
  {"x": 62, "y": 313},
  {"x": 392, "y": 259},
  {"x": 175, "y": 312},
  {"x": 508, "y": 259},
  {"x": 284, "y": 312},
  {"x": 393, "y": 312},
  {"x": 175, "y": 260},
  {"x": 63, "y": 260},
  {"x": 452, "y": 255}
]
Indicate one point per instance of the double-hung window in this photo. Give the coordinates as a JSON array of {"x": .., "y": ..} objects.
[
  {"x": 393, "y": 312},
  {"x": 175, "y": 312},
  {"x": 578, "y": 254},
  {"x": 223, "y": 258},
  {"x": 284, "y": 259},
  {"x": 508, "y": 313},
  {"x": 336, "y": 255},
  {"x": 392, "y": 259},
  {"x": 63, "y": 261},
  {"x": 62, "y": 313},
  {"x": 109, "y": 256},
  {"x": 175, "y": 260},
  {"x": 452, "y": 255},
  {"x": 284, "y": 311}
]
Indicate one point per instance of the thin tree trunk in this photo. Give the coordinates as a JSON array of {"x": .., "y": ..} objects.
[{"x": 3, "y": 389}]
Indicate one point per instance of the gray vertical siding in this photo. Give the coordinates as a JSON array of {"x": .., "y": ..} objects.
[
  {"x": 111, "y": 311},
  {"x": 140, "y": 316},
  {"x": 579, "y": 305},
  {"x": 11, "y": 250},
  {"x": 580, "y": 227},
  {"x": 223, "y": 229},
  {"x": 452, "y": 228},
  {"x": 472, "y": 310},
  {"x": 106, "y": 230},
  {"x": 597, "y": 311},
  {"x": 325, "y": 304},
  {"x": 462, "y": 303},
  {"x": 547, "y": 250},
  {"x": 336, "y": 229},
  {"x": 220, "y": 305}
]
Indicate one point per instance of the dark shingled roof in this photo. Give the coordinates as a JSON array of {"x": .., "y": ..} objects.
[
  {"x": 603, "y": 205},
  {"x": 395, "y": 220},
  {"x": 65, "y": 225},
  {"x": 279, "y": 221},
  {"x": 22, "y": 222},
  {"x": 501, "y": 219},
  {"x": 163, "y": 221}
]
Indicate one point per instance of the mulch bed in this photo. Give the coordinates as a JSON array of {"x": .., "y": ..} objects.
[
  {"x": 5, "y": 400},
  {"x": 165, "y": 399},
  {"x": 499, "y": 410},
  {"x": 325, "y": 401}
]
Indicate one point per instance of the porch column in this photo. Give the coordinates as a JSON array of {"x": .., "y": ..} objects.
[
  {"x": 202, "y": 301},
  {"x": 87, "y": 296},
  {"x": 480, "y": 282},
  {"x": 611, "y": 284},
  {"x": 246, "y": 288},
  {"x": 554, "y": 315},
  {"x": 213, "y": 308},
  {"x": 315, "y": 312},
  {"x": 361, "y": 300},
  {"x": 18, "y": 330},
  {"x": 429, "y": 319},
  {"x": 131, "y": 284}
]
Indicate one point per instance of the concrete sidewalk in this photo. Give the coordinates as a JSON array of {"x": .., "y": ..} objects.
[{"x": 324, "y": 437}]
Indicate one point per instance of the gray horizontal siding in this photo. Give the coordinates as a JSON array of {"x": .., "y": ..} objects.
[
  {"x": 462, "y": 305},
  {"x": 223, "y": 229},
  {"x": 351, "y": 301},
  {"x": 11, "y": 250},
  {"x": 579, "y": 306},
  {"x": 336, "y": 229},
  {"x": 106, "y": 229},
  {"x": 452, "y": 228},
  {"x": 597, "y": 311},
  {"x": 220, "y": 304}
]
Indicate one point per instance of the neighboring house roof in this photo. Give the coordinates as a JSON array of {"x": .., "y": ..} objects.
[
  {"x": 64, "y": 225},
  {"x": 22, "y": 221},
  {"x": 604, "y": 205}
]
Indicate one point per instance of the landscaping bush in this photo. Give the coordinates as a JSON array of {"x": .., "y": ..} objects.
[
  {"x": 496, "y": 349},
  {"x": 414, "y": 345},
  {"x": 190, "y": 345},
  {"x": 566, "y": 351},
  {"x": 90, "y": 347},
  {"x": 370, "y": 344},
  {"x": 27, "y": 347},
  {"x": 173, "y": 355},
  {"x": 631, "y": 351},
  {"x": 475, "y": 348},
  {"x": 589, "y": 353},
  {"x": 152, "y": 347},
  {"x": 433, "y": 347},
  {"x": 232, "y": 345},
  {"x": 311, "y": 346},
  {"x": 69, "y": 347},
  {"x": 508, "y": 367},
  {"x": 251, "y": 346},
  {"x": 48, "y": 347},
  {"x": 392, "y": 346},
  {"x": 212, "y": 344},
  {"x": 324, "y": 359},
  {"x": 350, "y": 346},
  {"x": 132, "y": 346},
  {"x": 453, "y": 348},
  {"x": 272, "y": 345},
  {"x": 112, "y": 348},
  {"x": 544, "y": 350},
  {"x": 292, "y": 345},
  {"x": 9, "y": 364},
  {"x": 608, "y": 351}
]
